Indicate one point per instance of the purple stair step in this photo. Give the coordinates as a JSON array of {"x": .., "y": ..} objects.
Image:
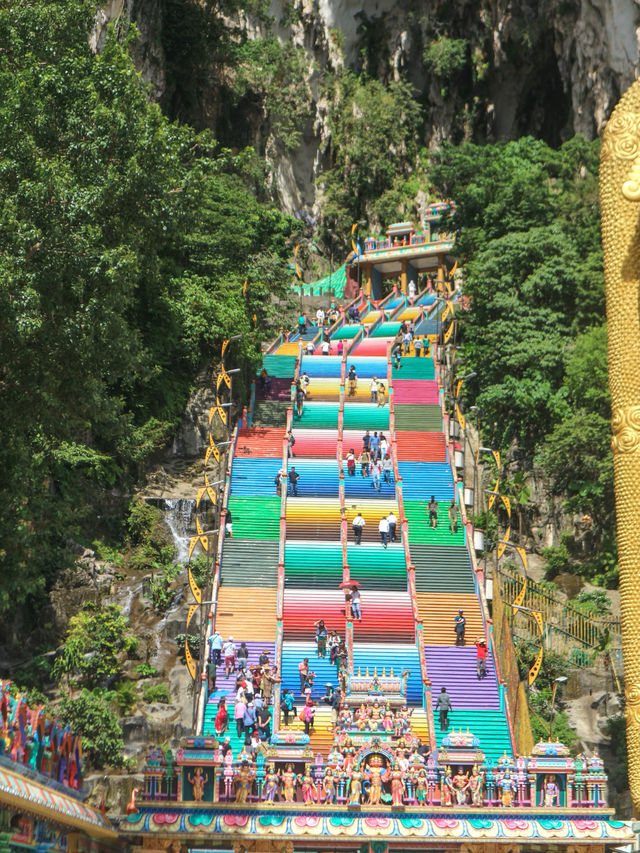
[
  {"x": 455, "y": 669},
  {"x": 256, "y": 647},
  {"x": 280, "y": 390}
]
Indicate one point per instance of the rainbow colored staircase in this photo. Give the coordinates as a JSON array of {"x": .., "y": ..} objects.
[{"x": 282, "y": 570}]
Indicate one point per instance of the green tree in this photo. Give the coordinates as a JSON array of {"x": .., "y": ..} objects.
[
  {"x": 125, "y": 240},
  {"x": 97, "y": 643},
  {"x": 90, "y": 715}
]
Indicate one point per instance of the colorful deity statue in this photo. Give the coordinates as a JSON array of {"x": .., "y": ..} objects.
[
  {"x": 243, "y": 780},
  {"x": 308, "y": 786},
  {"x": 349, "y": 756},
  {"x": 289, "y": 780},
  {"x": 445, "y": 791},
  {"x": 335, "y": 759},
  {"x": 459, "y": 787},
  {"x": 551, "y": 792},
  {"x": 362, "y": 718},
  {"x": 198, "y": 781},
  {"x": 355, "y": 786},
  {"x": 388, "y": 719},
  {"x": 227, "y": 774},
  {"x": 271, "y": 784},
  {"x": 329, "y": 787},
  {"x": 397, "y": 785},
  {"x": 507, "y": 787},
  {"x": 475, "y": 786},
  {"x": 377, "y": 775},
  {"x": 376, "y": 715},
  {"x": 421, "y": 788}
]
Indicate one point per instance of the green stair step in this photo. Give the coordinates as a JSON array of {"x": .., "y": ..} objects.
[
  {"x": 376, "y": 569},
  {"x": 272, "y": 413},
  {"x": 209, "y": 727},
  {"x": 489, "y": 726},
  {"x": 279, "y": 366},
  {"x": 317, "y": 416},
  {"x": 420, "y": 530},
  {"x": 386, "y": 330},
  {"x": 415, "y": 368},
  {"x": 250, "y": 562},
  {"x": 255, "y": 517},
  {"x": 313, "y": 564},
  {"x": 418, "y": 418},
  {"x": 366, "y": 416}
]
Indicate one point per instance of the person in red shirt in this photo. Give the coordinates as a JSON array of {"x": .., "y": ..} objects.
[{"x": 481, "y": 657}]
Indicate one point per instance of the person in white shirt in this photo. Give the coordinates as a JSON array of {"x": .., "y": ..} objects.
[
  {"x": 383, "y": 527},
  {"x": 229, "y": 652},
  {"x": 373, "y": 387},
  {"x": 358, "y": 525},
  {"x": 320, "y": 317},
  {"x": 384, "y": 446},
  {"x": 326, "y": 347},
  {"x": 387, "y": 469},
  {"x": 392, "y": 519},
  {"x": 310, "y": 348},
  {"x": 412, "y": 289}
]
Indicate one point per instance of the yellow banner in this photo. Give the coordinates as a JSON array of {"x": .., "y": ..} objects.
[
  {"x": 195, "y": 589},
  {"x": 190, "y": 613},
  {"x": 496, "y": 456},
  {"x": 191, "y": 664},
  {"x": 535, "y": 669},
  {"x": 520, "y": 596},
  {"x": 459, "y": 385},
  {"x": 192, "y": 544},
  {"x": 244, "y": 288},
  {"x": 503, "y": 545},
  {"x": 461, "y": 417},
  {"x": 225, "y": 344},
  {"x": 523, "y": 556},
  {"x": 507, "y": 504},
  {"x": 538, "y": 617},
  {"x": 492, "y": 498},
  {"x": 448, "y": 334}
]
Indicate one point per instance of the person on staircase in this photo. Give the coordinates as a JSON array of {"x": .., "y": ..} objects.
[
  {"x": 443, "y": 702},
  {"x": 351, "y": 463},
  {"x": 373, "y": 388},
  {"x": 215, "y": 647},
  {"x": 387, "y": 469},
  {"x": 396, "y": 354},
  {"x": 278, "y": 483},
  {"x": 382, "y": 395},
  {"x": 222, "y": 718},
  {"x": 459, "y": 626},
  {"x": 265, "y": 382},
  {"x": 249, "y": 721},
  {"x": 264, "y": 657},
  {"x": 288, "y": 706},
  {"x": 263, "y": 719},
  {"x": 364, "y": 461},
  {"x": 417, "y": 346},
  {"x": 481, "y": 658},
  {"x": 376, "y": 473},
  {"x": 393, "y": 522},
  {"x": 326, "y": 348},
  {"x": 303, "y": 670},
  {"x": 321, "y": 637},
  {"x": 229, "y": 657},
  {"x": 383, "y": 529},
  {"x": 290, "y": 442},
  {"x": 320, "y": 315},
  {"x": 352, "y": 380},
  {"x": 228, "y": 524},
  {"x": 299, "y": 398},
  {"x": 356, "y": 611},
  {"x": 453, "y": 517},
  {"x": 238, "y": 713},
  {"x": 310, "y": 347},
  {"x": 302, "y": 324},
  {"x": 358, "y": 525},
  {"x": 243, "y": 655},
  {"x": 293, "y": 482},
  {"x": 432, "y": 510},
  {"x": 374, "y": 445},
  {"x": 307, "y": 714}
]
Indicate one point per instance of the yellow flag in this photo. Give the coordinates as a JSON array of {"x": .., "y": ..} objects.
[
  {"x": 190, "y": 613},
  {"x": 195, "y": 589},
  {"x": 191, "y": 664},
  {"x": 535, "y": 669}
]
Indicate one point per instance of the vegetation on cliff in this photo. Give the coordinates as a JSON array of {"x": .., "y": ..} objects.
[{"x": 125, "y": 241}]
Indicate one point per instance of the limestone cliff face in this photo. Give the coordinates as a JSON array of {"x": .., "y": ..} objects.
[{"x": 551, "y": 68}]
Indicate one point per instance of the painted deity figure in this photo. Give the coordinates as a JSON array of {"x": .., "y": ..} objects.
[
  {"x": 375, "y": 715},
  {"x": 349, "y": 756},
  {"x": 475, "y": 786},
  {"x": 228, "y": 774},
  {"x": 198, "y": 781},
  {"x": 397, "y": 785},
  {"x": 388, "y": 721},
  {"x": 459, "y": 787},
  {"x": 362, "y": 718},
  {"x": 377, "y": 775},
  {"x": 289, "y": 780},
  {"x": 355, "y": 787},
  {"x": 551, "y": 792},
  {"x": 445, "y": 792},
  {"x": 421, "y": 788},
  {"x": 243, "y": 783},
  {"x": 308, "y": 786},
  {"x": 329, "y": 787},
  {"x": 271, "y": 784},
  {"x": 507, "y": 787}
]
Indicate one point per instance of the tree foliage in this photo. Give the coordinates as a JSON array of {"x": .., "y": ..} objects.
[
  {"x": 97, "y": 643},
  {"x": 90, "y": 714},
  {"x": 125, "y": 240}
]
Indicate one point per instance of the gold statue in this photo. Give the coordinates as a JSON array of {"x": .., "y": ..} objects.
[{"x": 619, "y": 196}]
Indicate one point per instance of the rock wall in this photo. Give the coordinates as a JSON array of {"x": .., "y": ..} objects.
[{"x": 550, "y": 68}]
